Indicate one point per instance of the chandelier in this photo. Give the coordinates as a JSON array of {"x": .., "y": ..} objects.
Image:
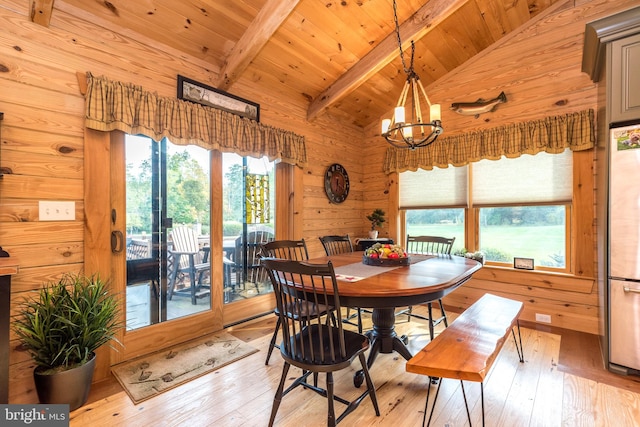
[{"x": 411, "y": 131}]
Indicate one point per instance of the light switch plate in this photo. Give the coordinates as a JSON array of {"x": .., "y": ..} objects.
[
  {"x": 543, "y": 318},
  {"x": 56, "y": 211}
]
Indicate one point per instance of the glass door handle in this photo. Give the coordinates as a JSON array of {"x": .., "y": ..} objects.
[{"x": 117, "y": 241}]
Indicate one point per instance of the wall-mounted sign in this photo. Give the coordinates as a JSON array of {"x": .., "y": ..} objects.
[{"x": 191, "y": 90}]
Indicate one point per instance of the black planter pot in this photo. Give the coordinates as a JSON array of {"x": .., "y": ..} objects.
[{"x": 70, "y": 387}]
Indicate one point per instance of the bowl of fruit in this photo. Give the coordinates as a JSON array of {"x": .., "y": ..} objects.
[{"x": 385, "y": 255}]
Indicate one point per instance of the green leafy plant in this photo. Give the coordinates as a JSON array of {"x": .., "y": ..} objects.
[
  {"x": 477, "y": 255},
  {"x": 68, "y": 320},
  {"x": 376, "y": 218}
]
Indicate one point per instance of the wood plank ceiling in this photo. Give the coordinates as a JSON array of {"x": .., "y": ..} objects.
[{"x": 338, "y": 56}]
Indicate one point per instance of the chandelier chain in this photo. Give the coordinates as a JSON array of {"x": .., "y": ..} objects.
[{"x": 409, "y": 71}]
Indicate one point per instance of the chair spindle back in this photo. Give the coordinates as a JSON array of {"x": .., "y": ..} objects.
[
  {"x": 295, "y": 250},
  {"x": 429, "y": 245},
  {"x": 307, "y": 339},
  {"x": 334, "y": 245}
]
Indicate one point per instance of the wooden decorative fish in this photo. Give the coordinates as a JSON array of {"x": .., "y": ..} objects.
[{"x": 479, "y": 107}]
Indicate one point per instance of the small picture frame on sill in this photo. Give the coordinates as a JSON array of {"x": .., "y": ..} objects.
[
  {"x": 193, "y": 91},
  {"x": 523, "y": 263}
]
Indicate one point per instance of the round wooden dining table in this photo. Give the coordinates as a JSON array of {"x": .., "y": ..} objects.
[{"x": 383, "y": 289}]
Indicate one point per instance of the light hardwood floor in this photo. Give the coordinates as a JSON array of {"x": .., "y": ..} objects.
[{"x": 561, "y": 383}]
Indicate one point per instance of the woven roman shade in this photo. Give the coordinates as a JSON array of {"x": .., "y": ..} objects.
[
  {"x": 529, "y": 179},
  {"x": 540, "y": 179}
]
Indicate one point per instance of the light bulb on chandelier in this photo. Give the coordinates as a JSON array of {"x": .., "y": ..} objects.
[{"x": 411, "y": 131}]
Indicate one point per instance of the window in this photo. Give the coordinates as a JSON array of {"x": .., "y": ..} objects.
[
  {"x": 437, "y": 222},
  {"x": 537, "y": 232},
  {"x": 434, "y": 201},
  {"x": 520, "y": 207}
]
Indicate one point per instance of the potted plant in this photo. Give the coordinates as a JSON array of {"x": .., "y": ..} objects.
[
  {"x": 477, "y": 255},
  {"x": 61, "y": 328},
  {"x": 376, "y": 218}
]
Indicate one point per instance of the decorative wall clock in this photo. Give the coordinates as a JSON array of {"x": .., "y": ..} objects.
[{"x": 336, "y": 183}]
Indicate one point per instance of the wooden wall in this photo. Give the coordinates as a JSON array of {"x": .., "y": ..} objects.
[
  {"x": 43, "y": 141},
  {"x": 539, "y": 68}
]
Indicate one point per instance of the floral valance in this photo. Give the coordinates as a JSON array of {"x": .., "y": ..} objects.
[
  {"x": 112, "y": 105},
  {"x": 550, "y": 134}
]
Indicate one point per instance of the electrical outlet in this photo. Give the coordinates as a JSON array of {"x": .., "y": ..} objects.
[
  {"x": 543, "y": 318},
  {"x": 57, "y": 211}
]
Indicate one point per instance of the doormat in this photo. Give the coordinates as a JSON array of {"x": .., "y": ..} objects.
[{"x": 148, "y": 376}]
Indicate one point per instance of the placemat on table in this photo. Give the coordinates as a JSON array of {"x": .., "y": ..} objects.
[{"x": 358, "y": 271}]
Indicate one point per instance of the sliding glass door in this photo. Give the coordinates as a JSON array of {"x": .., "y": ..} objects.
[
  {"x": 167, "y": 231},
  {"x": 248, "y": 220}
]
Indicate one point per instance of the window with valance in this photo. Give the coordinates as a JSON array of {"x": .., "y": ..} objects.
[{"x": 517, "y": 180}]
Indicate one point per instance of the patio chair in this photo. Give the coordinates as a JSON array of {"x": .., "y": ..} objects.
[
  {"x": 429, "y": 245},
  {"x": 138, "y": 249},
  {"x": 334, "y": 245},
  {"x": 188, "y": 259},
  {"x": 284, "y": 249},
  {"x": 246, "y": 259},
  {"x": 310, "y": 342},
  {"x": 143, "y": 269}
]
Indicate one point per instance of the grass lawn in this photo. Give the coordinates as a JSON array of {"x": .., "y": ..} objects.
[{"x": 538, "y": 242}]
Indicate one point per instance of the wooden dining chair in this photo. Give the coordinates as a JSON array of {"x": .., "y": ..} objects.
[
  {"x": 312, "y": 343},
  {"x": 295, "y": 250},
  {"x": 429, "y": 245},
  {"x": 188, "y": 259},
  {"x": 335, "y": 245}
]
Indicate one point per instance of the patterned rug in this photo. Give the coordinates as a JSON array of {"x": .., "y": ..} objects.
[{"x": 148, "y": 376}]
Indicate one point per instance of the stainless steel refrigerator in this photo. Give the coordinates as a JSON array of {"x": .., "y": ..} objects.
[{"x": 624, "y": 249}]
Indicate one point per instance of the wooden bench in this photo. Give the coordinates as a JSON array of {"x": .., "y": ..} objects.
[{"x": 467, "y": 348}]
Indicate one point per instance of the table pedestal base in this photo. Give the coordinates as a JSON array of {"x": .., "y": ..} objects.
[{"x": 383, "y": 339}]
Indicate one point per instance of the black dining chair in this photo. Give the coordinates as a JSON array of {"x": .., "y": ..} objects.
[
  {"x": 429, "y": 245},
  {"x": 285, "y": 249},
  {"x": 312, "y": 343},
  {"x": 335, "y": 245}
]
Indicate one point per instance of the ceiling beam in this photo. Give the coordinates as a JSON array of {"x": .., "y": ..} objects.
[
  {"x": 40, "y": 12},
  {"x": 266, "y": 23},
  {"x": 416, "y": 27}
]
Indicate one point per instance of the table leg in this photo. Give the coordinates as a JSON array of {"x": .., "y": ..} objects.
[{"x": 383, "y": 339}]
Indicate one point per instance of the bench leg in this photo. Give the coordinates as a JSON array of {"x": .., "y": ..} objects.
[
  {"x": 481, "y": 402},
  {"x": 426, "y": 422},
  {"x": 519, "y": 349},
  {"x": 433, "y": 405},
  {"x": 466, "y": 404}
]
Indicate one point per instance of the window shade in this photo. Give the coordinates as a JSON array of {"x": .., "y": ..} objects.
[
  {"x": 540, "y": 178},
  {"x": 434, "y": 188}
]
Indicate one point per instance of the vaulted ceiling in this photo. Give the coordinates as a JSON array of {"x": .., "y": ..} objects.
[{"x": 339, "y": 56}]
